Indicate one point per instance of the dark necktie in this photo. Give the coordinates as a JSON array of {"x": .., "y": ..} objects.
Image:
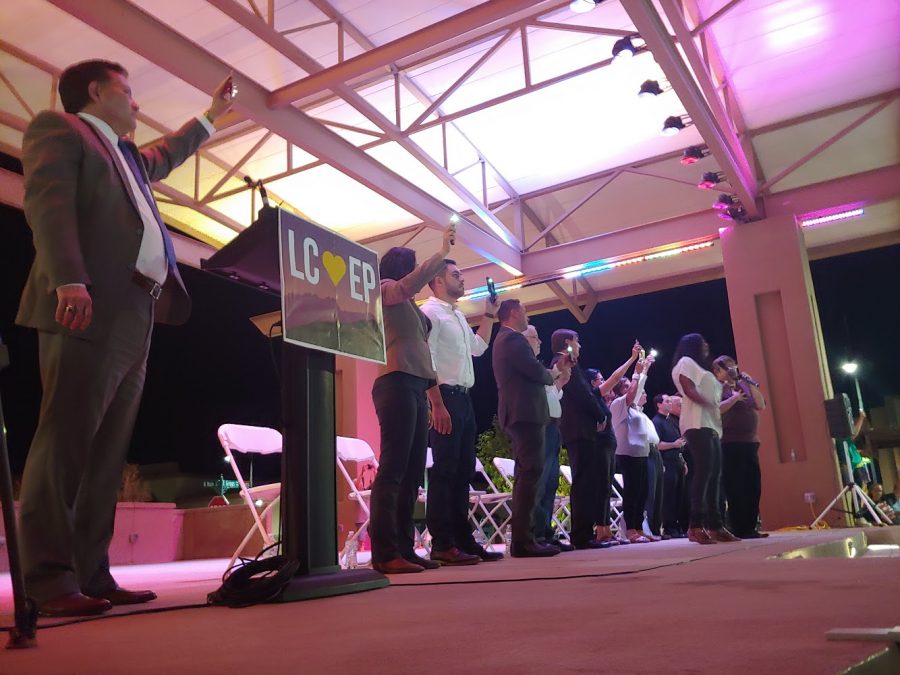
[{"x": 129, "y": 153}]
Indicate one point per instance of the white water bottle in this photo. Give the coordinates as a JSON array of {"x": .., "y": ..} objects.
[
  {"x": 478, "y": 536},
  {"x": 507, "y": 539},
  {"x": 350, "y": 550}
]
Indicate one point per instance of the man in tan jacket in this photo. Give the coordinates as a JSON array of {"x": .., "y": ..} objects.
[{"x": 104, "y": 271}]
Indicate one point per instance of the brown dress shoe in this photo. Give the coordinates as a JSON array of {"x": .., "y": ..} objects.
[
  {"x": 120, "y": 596},
  {"x": 698, "y": 535},
  {"x": 723, "y": 535},
  {"x": 454, "y": 556},
  {"x": 397, "y": 566},
  {"x": 423, "y": 562},
  {"x": 74, "y": 604}
]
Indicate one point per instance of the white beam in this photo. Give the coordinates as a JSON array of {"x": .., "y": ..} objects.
[
  {"x": 730, "y": 157},
  {"x": 159, "y": 44}
]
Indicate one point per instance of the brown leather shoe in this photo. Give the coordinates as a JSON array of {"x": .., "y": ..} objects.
[
  {"x": 120, "y": 596},
  {"x": 397, "y": 566},
  {"x": 698, "y": 535},
  {"x": 74, "y": 604},
  {"x": 723, "y": 535},
  {"x": 454, "y": 556},
  {"x": 423, "y": 562}
]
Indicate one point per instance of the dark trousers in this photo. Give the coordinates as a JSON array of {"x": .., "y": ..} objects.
[
  {"x": 705, "y": 469},
  {"x": 402, "y": 411},
  {"x": 741, "y": 481},
  {"x": 548, "y": 485},
  {"x": 634, "y": 475},
  {"x": 527, "y": 440},
  {"x": 673, "y": 491},
  {"x": 588, "y": 468},
  {"x": 607, "y": 452},
  {"x": 653, "y": 505},
  {"x": 91, "y": 394},
  {"x": 447, "y": 514}
]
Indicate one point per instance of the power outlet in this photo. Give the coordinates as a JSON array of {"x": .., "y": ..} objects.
[{"x": 809, "y": 497}]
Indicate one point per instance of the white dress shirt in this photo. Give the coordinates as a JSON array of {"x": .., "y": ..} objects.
[
  {"x": 554, "y": 396},
  {"x": 453, "y": 343},
  {"x": 694, "y": 415},
  {"x": 151, "y": 260}
]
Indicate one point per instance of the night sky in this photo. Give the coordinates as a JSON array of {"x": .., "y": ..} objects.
[{"x": 218, "y": 368}]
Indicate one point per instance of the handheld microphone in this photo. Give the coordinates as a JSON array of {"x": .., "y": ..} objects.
[{"x": 748, "y": 379}]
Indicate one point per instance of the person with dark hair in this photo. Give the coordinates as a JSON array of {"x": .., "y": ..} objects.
[
  {"x": 104, "y": 272},
  {"x": 402, "y": 409},
  {"x": 523, "y": 413},
  {"x": 741, "y": 477},
  {"x": 635, "y": 434},
  {"x": 671, "y": 442},
  {"x": 581, "y": 414},
  {"x": 701, "y": 426},
  {"x": 453, "y": 431},
  {"x": 544, "y": 532},
  {"x": 602, "y": 389}
]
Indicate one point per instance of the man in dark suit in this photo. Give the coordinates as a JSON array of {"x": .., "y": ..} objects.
[
  {"x": 523, "y": 413},
  {"x": 104, "y": 271},
  {"x": 581, "y": 413}
]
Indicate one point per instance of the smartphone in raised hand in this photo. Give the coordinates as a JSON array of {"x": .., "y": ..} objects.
[{"x": 492, "y": 290}]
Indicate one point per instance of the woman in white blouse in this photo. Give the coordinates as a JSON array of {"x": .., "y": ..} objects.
[
  {"x": 701, "y": 426},
  {"x": 635, "y": 434}
]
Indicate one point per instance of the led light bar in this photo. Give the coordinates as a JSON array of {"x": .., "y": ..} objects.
[{"x": 832, "y": 217}]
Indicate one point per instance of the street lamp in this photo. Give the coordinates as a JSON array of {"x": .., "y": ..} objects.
[{"x": 851, "y": 368}]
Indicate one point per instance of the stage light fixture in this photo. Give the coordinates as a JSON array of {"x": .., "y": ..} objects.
[
  {"x": 674, "y": 124},
  {"x": 624, "y": 49},
  {"x": 693, "y": 154},
  {"x": 650, "y": 89},
  {"x": 850, "y": 367},
  {"x": 724, "y": 201},
  {"x": 710, "y": 179},
  {"x": 583, "y": 6},
  {"x": 735, "y": 212}
]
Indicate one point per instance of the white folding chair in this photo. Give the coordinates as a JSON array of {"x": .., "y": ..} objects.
[
  {"x": 258, "y": 441},
  {"x": 489, "y": 507},
  {"x": 615, "y": 497},
  {"x": 355, "y": 450},
  {"x": 616, "y": 517}
]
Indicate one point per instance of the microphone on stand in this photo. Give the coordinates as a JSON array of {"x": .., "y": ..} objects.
[{"x": 258, "y": 184}]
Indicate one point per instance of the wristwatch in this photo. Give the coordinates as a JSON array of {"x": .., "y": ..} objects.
[{"x": 489, "y": 315}]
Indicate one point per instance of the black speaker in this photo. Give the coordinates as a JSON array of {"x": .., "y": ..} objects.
[{"x": 840, "y": 416}]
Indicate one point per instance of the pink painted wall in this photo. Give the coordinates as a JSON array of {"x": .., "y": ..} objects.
[{"x": 778, "y": 340}]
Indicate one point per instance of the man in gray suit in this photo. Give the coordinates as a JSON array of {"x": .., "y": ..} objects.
[
  {"x": 523, "y": 413},
  {"x": 104, "y": 271}
]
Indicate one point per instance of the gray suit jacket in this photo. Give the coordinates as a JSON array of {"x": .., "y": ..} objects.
[
  {"x": 520, "y": 380},
  {"x": 85, "y": 222}
]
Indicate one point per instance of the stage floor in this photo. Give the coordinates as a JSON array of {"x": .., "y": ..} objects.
[{"x": 669, "y": 606}]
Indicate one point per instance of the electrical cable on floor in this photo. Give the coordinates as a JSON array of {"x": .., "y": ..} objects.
[{"x": 251, "y": 568}]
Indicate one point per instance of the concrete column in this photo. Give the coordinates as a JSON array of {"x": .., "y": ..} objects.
[
  {"x": 355, "y": 418},
  {"x": 778, "y": 339},
  {"x": 353, "y": 393}
]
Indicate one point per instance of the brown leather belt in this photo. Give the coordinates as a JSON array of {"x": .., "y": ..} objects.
[{"x": 148, "y": 284}]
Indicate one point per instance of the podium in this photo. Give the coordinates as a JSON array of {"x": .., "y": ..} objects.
[{"x": 308, "y": 488}]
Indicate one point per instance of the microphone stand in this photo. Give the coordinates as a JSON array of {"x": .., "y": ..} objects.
[{"x": 22, "y": 633}]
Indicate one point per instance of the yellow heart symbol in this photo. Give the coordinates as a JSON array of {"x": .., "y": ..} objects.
[{"x": 335, "y": 266}]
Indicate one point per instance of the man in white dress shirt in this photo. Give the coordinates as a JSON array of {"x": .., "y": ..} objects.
[
  {"x": 104, "y": 272},
  {"x": 453, "y": 433}
]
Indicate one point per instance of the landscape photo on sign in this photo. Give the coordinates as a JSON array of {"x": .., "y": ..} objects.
[{"x": 331, "y": 295}]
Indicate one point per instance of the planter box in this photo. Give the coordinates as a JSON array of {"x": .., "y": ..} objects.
[{"x": 145, "y": 532}]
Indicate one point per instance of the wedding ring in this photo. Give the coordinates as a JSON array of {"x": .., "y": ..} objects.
[{"x": 70, "y": 308}]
